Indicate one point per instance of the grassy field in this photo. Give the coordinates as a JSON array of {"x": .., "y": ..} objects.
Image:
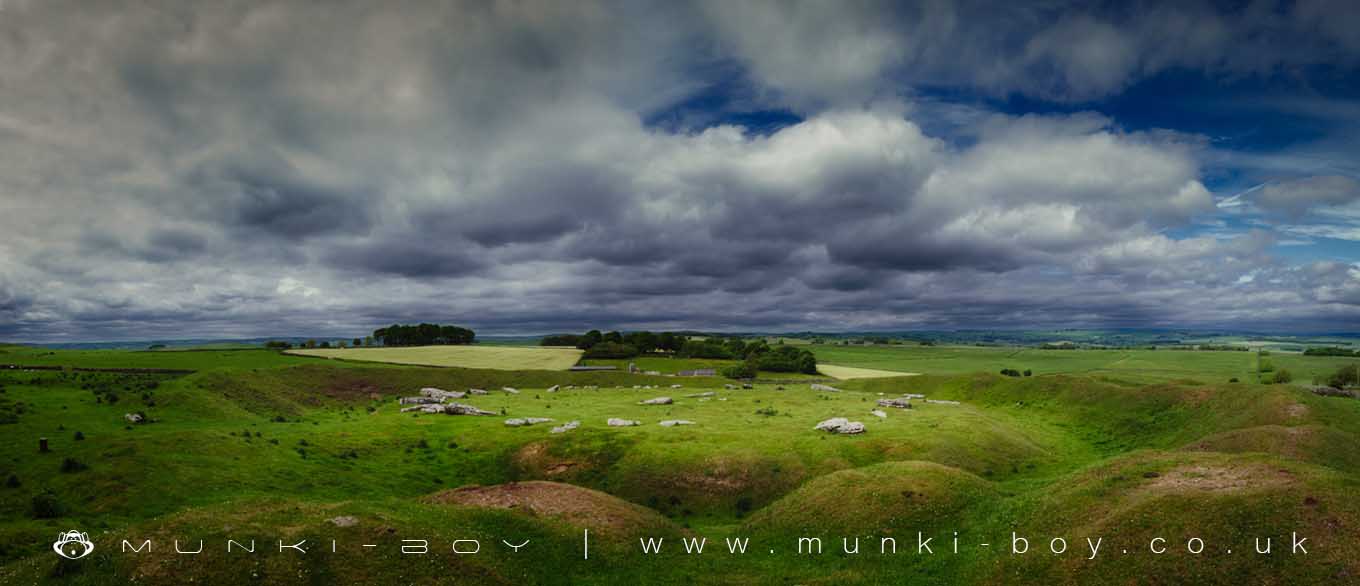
[
  {"x": 494, "y": 357},
  {"x": 272, "y": 451}
]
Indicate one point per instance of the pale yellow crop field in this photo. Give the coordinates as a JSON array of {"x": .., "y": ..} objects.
[
  {"x": 849, "y": 372},
  {"x": 493, "y": 357}
]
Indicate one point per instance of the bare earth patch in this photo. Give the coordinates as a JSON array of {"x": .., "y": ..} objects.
[{"x": 1204, "y": 477}]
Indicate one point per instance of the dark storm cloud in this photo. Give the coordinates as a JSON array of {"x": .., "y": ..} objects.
[{"x": 250, "y": 169}]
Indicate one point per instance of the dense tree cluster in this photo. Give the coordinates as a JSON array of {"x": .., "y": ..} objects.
[
  {"x": 1331, "y": 351},
  {"x": 757, "y": 353},
  {"x": 423, "y": 335}
]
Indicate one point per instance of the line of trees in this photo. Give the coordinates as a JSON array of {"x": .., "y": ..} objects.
[
  {"x": 1330, "y": 351},
  {"x": 423, "y": 335},
  {"x": 755, "y": 354}
]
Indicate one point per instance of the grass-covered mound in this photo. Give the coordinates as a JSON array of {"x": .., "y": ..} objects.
[
  {"x": 882, "y": 499},
  {"x": 1227, "y": 501},
  {"x": 581, "y": 507}
]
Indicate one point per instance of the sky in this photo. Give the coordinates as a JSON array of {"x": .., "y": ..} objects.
[{"x": 237, "y": 169}]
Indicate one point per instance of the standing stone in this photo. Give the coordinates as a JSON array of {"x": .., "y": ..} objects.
[{"x": 553, "y": 389}]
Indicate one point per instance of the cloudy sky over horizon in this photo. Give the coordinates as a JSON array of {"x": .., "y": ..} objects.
[{"x": 235, "y": 169}]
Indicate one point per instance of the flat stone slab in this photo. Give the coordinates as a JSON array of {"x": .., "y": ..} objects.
[
  {"x": 940, "y": 402},
  {"x": 675, "y": 422},
  {"x": 524, "y": 421},
  {"x": 553, "y": 389},
  {"x": 840, "y": 425},
  {"x": 895, "y": 403},
  {"x": 511, "y": 390},
  {"x": 825, "y": 388},
  {"x": 568, "y": 426},
  {"x": 477, "y": 391},
  {"x": 441, "y": 394},
  {"x": 879, "y": 414},
  {"x": 697, "y": 395},
  {"x": 657, "y": 401},
  {"x": 616, "y": 422}
]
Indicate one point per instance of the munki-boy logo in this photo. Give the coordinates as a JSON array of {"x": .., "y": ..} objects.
[{"x": 73, "y": 545}]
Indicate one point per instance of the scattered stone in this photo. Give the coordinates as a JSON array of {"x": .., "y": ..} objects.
[
  {"x": 553, "y": 389},
  {"x": 879, "y": 414},
  {"x": 511, "y": 390},
  {"x": 344, "y": 521},
  {"x": 441, "y": 394},
  {"x": 913, "y": 396},
  {"x": 825, "y": 388},
  {"x": 747, "y": 386},
  {"x": 722, "y": 398},
  {"x": 521, "y": 422},
  {"x": 840, "y": 425},
  {"x": 461, "y": 409},
  {"x": 675, "y": 422},
  {"x": 418, "y": 400},
  {"x": 657, "y": 401},
  {"x": 133, "y": 417},
  {"x": 616, "y": 422},
  {"x": 697, "y": 395},
  {"x": 476, "y": 391},
  {"x": 940, "y": 402},
  {"x": 568, "y": 426},
  {"x": 895, "y": 403},
  {"x": 433, "y": 408},
  {"x": 729, "y": 387},
  {"x": 675, "y": 386}
]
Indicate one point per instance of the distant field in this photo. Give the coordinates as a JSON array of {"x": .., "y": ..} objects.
[
  {"x": 494, "y": 357},
  {"x": 1129, "y": 364},
  {"x": 172, "y": 359},
  {"x": 668, "y": 365},
  {"x": 851, "y": 372}
]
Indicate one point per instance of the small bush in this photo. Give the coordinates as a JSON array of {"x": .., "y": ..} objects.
[
  {"x": 1283, "y": 376},
  {"x": 80, "y": 437},
  {"x": 46, "y": 506}
]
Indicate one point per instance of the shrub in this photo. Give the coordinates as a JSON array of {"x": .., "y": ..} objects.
[
  {"x": 1345, "y": 376},
  {"x": 71, "y": 465},
  {"x": 46, "y": 506},
  {"x": 743, "y": 370},
  {"x": 80, "y": 437},
  {"x": 1283, "y": 376},
  {"x": 1010, "y": 372}
]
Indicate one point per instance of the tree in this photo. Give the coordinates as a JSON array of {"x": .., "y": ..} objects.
[
  {"x": 591, "y": 338},
  {"x": 611, "y": 350},
  {"x": 614, "y": 337},
  {"x": 1345, "y": 376},
  {"x": 423, "y": 335},
  {"x": 358, "y": 343}
]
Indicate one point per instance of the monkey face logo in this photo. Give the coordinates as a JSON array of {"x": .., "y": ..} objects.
[{"x": 73, "y": 545}]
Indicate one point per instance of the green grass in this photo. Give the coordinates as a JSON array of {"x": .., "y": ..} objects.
[
  {"x": 255, "y": 448},
  {"x": 494, "y": 357}
]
